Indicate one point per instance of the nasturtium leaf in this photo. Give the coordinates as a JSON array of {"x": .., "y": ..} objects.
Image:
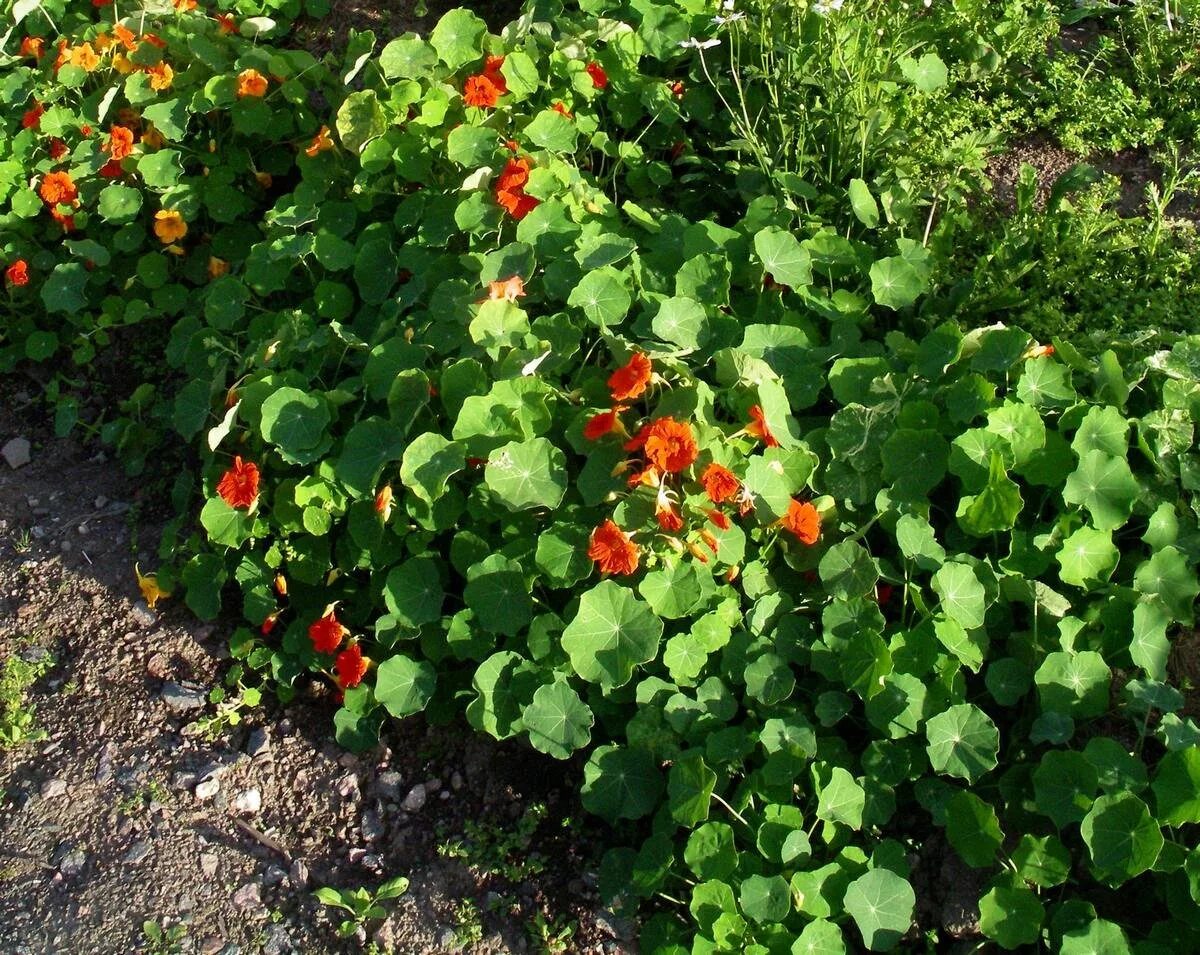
[
  {"x": 765, "y": 898},
  {"x": 360, "y": 119},
  {"x": 973, "y": 829},
  {"x": 881, "y": 904},
  {"x": 1177, "y": 787},
  {"x": 684, "y": 657},
  {"x": 863, "y": 204},
  {"x": 160, "y": 170},
  {"x": 1117, "y": 770},
  {"x": 1045, "y": 384},
  {"x": 895, "y": 282},
  {"x": 1075, "y": 684},
  {"x": 1122, "y": 838},
  {"x": 848, "y": 570},
  {"x": 1104, "y": 429},
  {"x": 294, "y": 420},
  {"x": 63, "y": 289},
  {"x": 225, "y": 525},
  {"x": 969, "y": 646},
  {"x": 428, "y": 463},
  {"x": 1150, "y": 647},
  {"x": 527, "y": 474},
  {"x": 1087, "y": 558},
  {"x": 1021, "y": 427},
  {"x": 1007, "y": 679},
  {"x": 963, "y": 597},
  {"x": 521, "y": 75},
  {"x": 621, "y": 782},
  {"x": 557, "y": 720},
  {"x": 681, "y": 322},
  {"x": 457, "y": 38},
  {"x": 370, "y": 444},
  {"x": 497, "y": 594},
  {"x": 689, "y": 789},
  {"x": 413, "y": 592},
  {"x": 769, "y": 679},
  {"x": 1042, "y": 860},
  {"x": 119, "y": 203},
  {"x": 997, "y": 505},
  {"x": 673, "y": 591},
  {"x": 962, "y": 741},
  {"x": 602, "y": 296},
  {"x": 1162, "y": 530},
  {"x": 914, "y": 460},
  {"x": 1096, "y": 937},
  {"x": 1064, "y": 785},
  {"x": 551, "y": 130},
  {"x": 782, "y": 257},
  {"x": 471, "y": 146},
  {"x": 562, "y": 554},
  {"x": 918, "y": 542},
  {"x": 842, "y": 799},
  {"x": 407, "y": 57},
  {"x": 1105, "y": 486},
  {"x": 865, "y": 661},
  {"x": 403, "y": 685},
  {"x": 710, "y": 852},
  {"x": 1010, "y": 913},
  {"x": 820, "y": 937},
  {"x": 928, "y": 74},
  {"x": 502, "y": 683},
  {"x": 779, "y": 822},
  {"x": 613, "y": 632},
  {"x": 1166, "y": 576}
]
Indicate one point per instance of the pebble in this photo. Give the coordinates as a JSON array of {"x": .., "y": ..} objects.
[
  {"x": 277, "y": 941},
  {"x": 248, "y": 803},
  {"x": 73, "y": 863},
  {"x": 182, "y": 698},
  {"x": 259, "y": 742},
  {"x": 414, "y": 800},
  {"x": 456, "y": 781},
  {"x": 372, "y": 826},
  {"x": 183, "y": 780},
  {"x": 207, "y": 789},
  {"x": 388, "y": 785},
  {"x": 208, "y": 864},
  {"x": 298, "y": 875},
  {"x": 53, "y": 788},
  {"x": 347, "y": 786},
  {"x": 104, "y": 768},
  {"x": 143, "y": 615},
  {"x": 274, "y": 875},
  {"x": 16, "y": 452},
  {"x": 248, "y": 897},
  {"x": 137, "y": 852}
]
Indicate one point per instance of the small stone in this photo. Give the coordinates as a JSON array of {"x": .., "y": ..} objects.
[
  {"x": 104, "y": 767},
  {"x": 208, "y": 864},
  {"x": 158, "y": 666},
  {"x": 274, "y": 875},
  {"x": 387, "y": 785},
  {"x": 259, "y": 742},
  {"x": 347, "y": 786},
  {"x": 414, "y": 800},
  {"x": 298, "y": 874},
  {"x": 432, "y": 786},
  {"x": 248, "y": 897},
  {"x": 182, "y": 780},
  {"x": 248, "y": 803},
  {"x": 372, "y": 826},
  {"x": 456, "y": 781},
  {"x": 143, "y": 615},
  {"x": 207, "y": 789},
  {"x": 137, "y": 852},
  {"x": 16, "y": 452},
  {"x": 53, "y": 788},
  {"x": 182, "y": 698},
  {"x": 277, "y": 941},
  {"x": 73, "y": 863},
  {"x": 211, "y": 945}
]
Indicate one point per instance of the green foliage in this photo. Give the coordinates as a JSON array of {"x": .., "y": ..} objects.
[
  {"x": 361, "y": 904},
  {"x": 17, "y": 714}
]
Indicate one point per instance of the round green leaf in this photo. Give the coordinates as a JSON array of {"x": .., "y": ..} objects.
[
  {"x": 1097, "y": 937},
  {"x": 458, "y": 38},
  {"x": 765, "y": 898},
  {"x": 119, "y": 203},
  {"x": 689, "y": 789},
  {"x": 1105, "y": 486},
  {"x": 962, "y": 741},
  {"x": 848, "y": 570},
  {"x": 558, "y": 721},
  {"x": 404, "y": 685},
  {"x": 620, "y": 782},
  {"x": 527, "y": 474},
  {"x": 1087, "y": 558},
  {"x": 1064, "y": 785},
  {"x": 413, "y": 592},
  {"x": 612, "y": 632},
  {"x": 1177, "y": 787},
  {"x": 498, "y": 595},
  {"x": 782, "y": 257},
  {"x": 360, "y": 119},
  {"x": 1076, "y": 684},
  {"x": 602, "y": 296},
  {"x": 1166, "y": 576},
  {"x": 963, "y": 597},
  {"x": 842, "y": 799},
  {"x": 710, "y": 852},
  {"x": 973, "y": 829},
  {"x": 428, "y": 463},
  {"x": 1122, "y": 838},
  {"x": 1011, "y": 914},
  {"x": 294, "y": 420},
  {"x": 820, "y": 937},
  {"x": 896, "y": 282},
  {"x": 881, "y": 904}
]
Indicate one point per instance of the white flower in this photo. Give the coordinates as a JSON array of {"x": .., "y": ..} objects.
[
  {"x": 824, "y": 7},
  {"x": 727, "y": 5},
  {"x": 691, "y": 43},
  {"x": 732, "y": 18}
]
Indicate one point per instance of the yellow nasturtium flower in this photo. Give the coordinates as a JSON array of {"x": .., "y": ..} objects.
[{"x": 148, "y": 585}]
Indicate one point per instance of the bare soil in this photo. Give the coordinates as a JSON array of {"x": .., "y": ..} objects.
[{"x": 122, "y": 814}]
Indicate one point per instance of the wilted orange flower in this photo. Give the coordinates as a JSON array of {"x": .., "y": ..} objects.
[
  {"x": 281, "y": 587},
  {"x": 184, "y": 5},
  {"x": 120, "y": 143},
  {"x": 155, "y": 41},
  {"x": 612, "y": 550},
  {"x": 491, "y": 69},
  {"x": 321, "y": 143},
  {"x": 58, "y": 148},
  {"x": 127, "y": 37},
  {"x": 226, "y": 23},
  {"x": 351, "y": 666},
  {"x": 84, "y": 56},
  {"x": 33, "y": 116},
  {"x": 802, "y": 520},
  {"x": 33, "y": 46},
  {"x": 384, "y": 503},
  {"x": 238, "y": 486},
  {"x": 631, "y": 379},
  {"x": 17, "y": 274},
  {"x": 102, "y": 41},
  {"x": 509, "y": 289},
  {"x": 561, "y": 108},
  {"x": 122, "y": 64},
  {"x": 64, "y": 219},
  {"x": 152, "y": 139},
  {"x": 670, "y": 445},
  {"x": 599, "y": 77},
  {"x": 1039, "y": 351},
  {"x": 217, "y": 267},
  {"x": 152, "y": 593},
  {"x": 668, "y": 517},
  {"x": 604, "y": 423},
  {"x": 268, "y": 624},
  {"x": 58, "y": 188},
  {"x": 326, "y": 632},
  {"x": 161, "y": 76},
  {"x": 758, "y": 427},
  {"x": 264, "y": 179},
  {"x": 720, "y": 484},
  {"x": 251, "y": 83},
  {"x": 111, "y": 170},
  {"x": 169, "y": 226}
]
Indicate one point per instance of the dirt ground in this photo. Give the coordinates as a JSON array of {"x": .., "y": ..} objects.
[{"x": 122, "y": 814}]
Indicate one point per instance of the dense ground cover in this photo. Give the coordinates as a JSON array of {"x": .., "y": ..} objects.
[{"x": 659, "y": 385}]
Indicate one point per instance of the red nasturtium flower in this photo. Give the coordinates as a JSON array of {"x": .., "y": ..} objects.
[
  {"x": 720, "y": 484},
  {"x": 226, "y": 23},
  {"x": 32, "y": 118},
  {"x": 604, "y": 423},
  {"x": 596, "y": 72},
  {"x": 670, "y": 445},
  {"x": 485, "y": 89},
  {"x": 802, "y": 520},
  {"x": 33, "y": 46},
  {"x": 251, "y": 83},
  {"x": 351, "y": 666},
  {"x": 238, "y": 486},
  {"x": 631, "y": 379},
  {"x": 17, "y": 274},
  {"x": 561, "y": 108},
  {"x": 120, "y": 143},
  {"x": 510, "y": 189},
  {"x": 58, "y": 148},
  {"x": 326, "y": 632},
  {"x": 269, "y": 623},
  {"x": 757, "y": 428},
  {"x": 720, "y": 520},
  {"x": 612, "y": 550},
  {"x": 58, "y": 189}
]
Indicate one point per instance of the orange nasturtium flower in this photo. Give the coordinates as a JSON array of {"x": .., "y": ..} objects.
[
  {"x": 612, "y": 550},
  {"x": 670, "y": 445},
  {"x": 58, "y": 188},
  {"x": 183, "y": 6},
  {"x": 321, "y": 143},
  {"x": 480, "y": 92},
  {"x": 122, "y": 64},
  {"x": 757, "y": 428},
  {"x": 326, "y": 632},
  {"x": 169, "y": 226},
  {"x": 508, "y": 290},
  {"x": 120, "y": 143},
  {"x": 596, "y": 72},
  {"x": 33, "y": 46},
  {"x": 720, "y": 484},
  {"x": 85, "y": 57},
  {"x": 384, "y": 503},
  {"x": 217, "y": 267},
  {"x": 1038, "y": 351},
  {"x": 32, "y": 118},
  {"x": 631, "y": 379},
  {"x": 251, "y": 83},
  {"x": 238, "y": 486},
  {"x": 161, "y": 76},
  {"x": 127, "y": 37},
  {"x": 351, "y": 666},
  {"x": 802, "y": 520},
  {"x": 669, "y": 519},
  {"x": 152, "y": 593},
  {"x": 17, "y": 274},
  {"x": 604, "y": 423},
  {"x": 561, "y": 108}
]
